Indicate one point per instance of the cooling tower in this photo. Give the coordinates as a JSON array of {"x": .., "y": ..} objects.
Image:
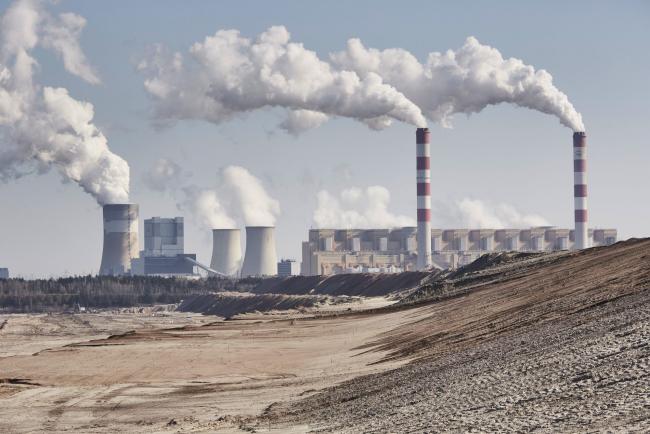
[
  {"x": 423, "y": 176},
  {"x": 226, "y": 251},
  {"x": 261, "y": 258},
  {"x": 120, "y": 238},
  {"x": 580, "y": 189}
]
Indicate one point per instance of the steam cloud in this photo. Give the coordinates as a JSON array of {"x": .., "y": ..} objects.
[
  {"x": 207, "y": 209},
  {"x": 475, "y": 213},
  {"x": 238, "y": 190},
  {"x": 356, "y": 208},
  {"x": 164, "y": 175},
  {"x": 228, "y": 75},
  {"x": 44, "y": 127},
  {"x": 256, "y": 206},
  {"x": 463, "y": 81}
]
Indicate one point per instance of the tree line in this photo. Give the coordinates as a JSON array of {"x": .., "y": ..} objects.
[{"x": 44, "y": 295}]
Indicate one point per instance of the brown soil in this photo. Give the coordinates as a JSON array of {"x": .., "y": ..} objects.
[
  {"x": 554, "y": 342},
  {"x": 557, "y": 342}
]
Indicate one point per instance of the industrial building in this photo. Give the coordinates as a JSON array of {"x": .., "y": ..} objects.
[
  {"x": 288, "y": 267},
  {"x": 163, "y": 236},
  {"x": 163, "y": 252},
  {"x": 4, "y": 273},
  {"x": 580, "y": 236},
  {"x": 334, "y": 251}
]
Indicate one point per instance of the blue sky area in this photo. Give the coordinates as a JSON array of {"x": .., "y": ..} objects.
[{"x": 597, "y": 52}]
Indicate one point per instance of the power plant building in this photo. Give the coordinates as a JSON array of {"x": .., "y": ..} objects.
[
  {"x": 288, "y": 267},
  {"x": 163, "y": 252},
  {"x": 4, "y": 273},
  {"x": 336, "y": 251},
  {"x": 163, "y": 236}
]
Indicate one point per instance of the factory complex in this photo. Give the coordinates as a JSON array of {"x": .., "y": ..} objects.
[
  {"x": 164, "y": 252},
  {"x": 336, "y": 251},
  {"x": 326, "y": 252}
]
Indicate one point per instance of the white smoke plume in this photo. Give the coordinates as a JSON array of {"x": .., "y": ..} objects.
[
  {"x": 475, "y": 213},
  {"x": 463, "y": 81},
  {"x": 61, "y": 34},
  {"x": 238, "y": 193},
  {"x": 257, "y": 207},
  {"x": 204, "y": 205},
  {"x": 299, "y": 121},
  {"x": 227, "y": 75},
  {"x": 165, "y": 175},
  {"x": 44, "y": 127},
  {"x": 356, "y": 208}
]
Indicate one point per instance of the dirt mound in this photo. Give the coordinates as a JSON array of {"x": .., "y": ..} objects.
[
  {"x": 227, "y": 305},
  {"x": 531, "y": 289},
  {"x": 495, "y": 259},
  {"x": 361, "y": 284},
  {"x": 295, "y": 285},
  {"x": 555, "y": 342}
]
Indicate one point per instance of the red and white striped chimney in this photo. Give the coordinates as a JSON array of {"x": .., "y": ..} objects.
[
  {"x": 581, "y": 232},
  {"x": 423, "y": 167}
]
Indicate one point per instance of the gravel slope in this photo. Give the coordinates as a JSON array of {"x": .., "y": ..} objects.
[{"x": 547, "y": 343}]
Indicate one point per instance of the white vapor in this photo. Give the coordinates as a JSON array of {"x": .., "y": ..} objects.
[
  {"x": 463, "y": 81},
  {"x": 299, "y": 121},
  {"x": 61, "y": 34},
  {"x": 250, "y": 196},
  {"x": 238, "y": 193},
  {"x": 228, "y": 75},
  {"x": 44, "y": 127},
  {"x": 475, "y": 213},
  {"x": 164, "y": 175},
  {"x": 356, "y": 208},
  {"x": 206, "y": 208}
]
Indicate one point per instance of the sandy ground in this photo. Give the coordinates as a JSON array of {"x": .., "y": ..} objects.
[
  {"x": 544, "y": 343},
  {"x": 207, "y": 378},
  {"x": 556, "y": 343},
  {"x": 24, "y": 334}
]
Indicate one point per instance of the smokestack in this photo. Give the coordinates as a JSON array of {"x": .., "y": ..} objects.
[
  {"x": 226, "y": 251},
  {"x": 260, "y": 258},
  {"x": 580, "y": 190},
  {"x": 423, "y": 176},
  {"x": 120, "y": 239}
]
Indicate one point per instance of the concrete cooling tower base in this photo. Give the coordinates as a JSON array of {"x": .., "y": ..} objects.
[
  {"x": 226, "y": 251},
  {"x": 120, "y": 239},
  {"x": 261, "y": 258}
]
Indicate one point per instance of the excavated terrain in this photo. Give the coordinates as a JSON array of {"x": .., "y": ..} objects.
[
  {"x": 358, "y": 284},
  {"x": 557, "y": 342}
]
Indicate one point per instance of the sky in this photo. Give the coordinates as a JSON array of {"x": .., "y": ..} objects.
[{"x": 596, "y": 51}]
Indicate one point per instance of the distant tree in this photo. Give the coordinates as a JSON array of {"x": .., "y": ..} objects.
[{"x": 19, "y": 295}]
